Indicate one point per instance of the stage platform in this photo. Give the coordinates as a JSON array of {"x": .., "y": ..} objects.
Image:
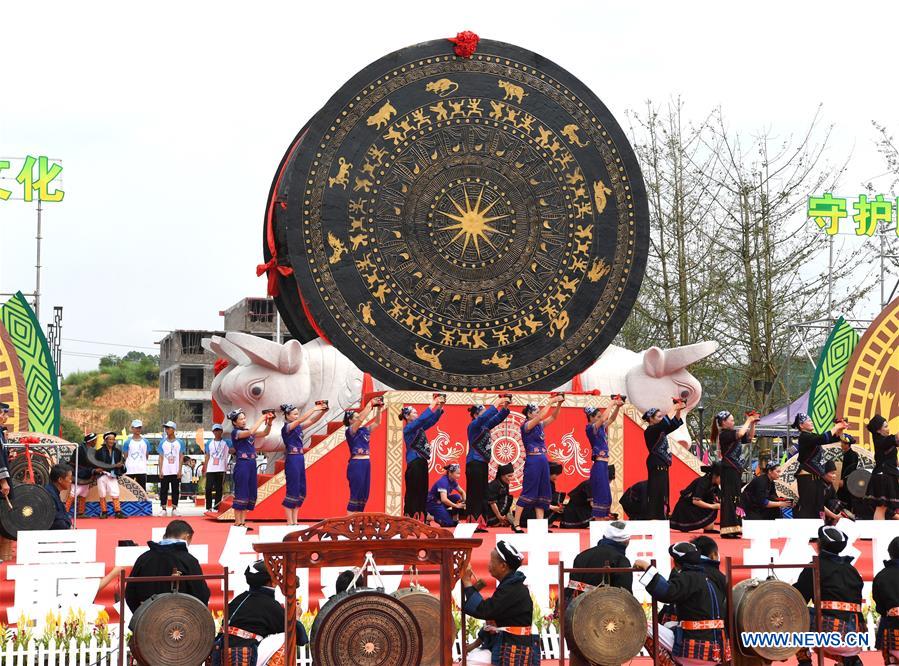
[{"x": 219, "y": 544}]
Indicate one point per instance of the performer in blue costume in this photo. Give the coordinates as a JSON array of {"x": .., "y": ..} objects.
[
  {"x": 446, "y": 499},
  {"x": 243, "y": 448},
  {"x": 480, "y": 451},
  {"x": 358, "y": 433},
  {"x": 418, "y": 453},
  {"x": 601, "y": 491},
  {"x": 536, "y": 490},
  {"x": 294, "y": 452}
]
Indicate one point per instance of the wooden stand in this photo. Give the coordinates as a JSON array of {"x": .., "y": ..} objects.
[{"x": 390, "y": 540}]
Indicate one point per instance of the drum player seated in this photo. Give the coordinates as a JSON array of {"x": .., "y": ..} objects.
[
  {"x": 253, "y": 616},
  {"x": 608, "y": 552},
  {"x": 506, "y": 638},
  {"x": 700, "y": 605},
  {"x": 841, "y": 596},
  {"x": 166, "y": 558},
  {"x": 60, "y": 484}
]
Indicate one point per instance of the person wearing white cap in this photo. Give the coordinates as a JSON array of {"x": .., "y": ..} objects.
[
  {"x": 215, "y": 464},
  {"x": 171, "y": 457},
  {"x": 136, "y": 451},
  {"x": 610, "y": 551}
]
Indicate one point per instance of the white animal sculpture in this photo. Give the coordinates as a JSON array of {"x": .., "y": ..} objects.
[
  {"x": 262, "y": 374},
  {"x": 649, "y": 378}
]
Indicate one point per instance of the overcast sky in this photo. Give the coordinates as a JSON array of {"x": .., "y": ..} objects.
[{"x": 170, "y": 119}]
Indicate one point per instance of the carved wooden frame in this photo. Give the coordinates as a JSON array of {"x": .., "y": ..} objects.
[{"x": 345, "y": 541}]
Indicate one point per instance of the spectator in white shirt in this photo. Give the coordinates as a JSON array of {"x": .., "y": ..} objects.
[
  {"x": 215, "y": 464},
  {"x": 136, "y": 450},
  {"x": 171, "y": 457}
]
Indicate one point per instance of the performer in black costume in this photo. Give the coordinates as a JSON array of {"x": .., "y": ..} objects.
[
  {"x": 730, "y": 451},
  {"x": 498, "y": 499},
  {"x": 885, "y": 591},
  {"x": 850, "y": 464},
  {"x": 635, "y": 501},
  {"x": 700, "y": 605},
  {"x": 85, "y": 472},
  {"x": 658, "y": 461},
  {"x": 833, "y": 508},
  {"x": 480, "y": 451},
  {"x": 168, "y": 555},
  {"x": 577, "y": 511},
  {"x": 699, "y": 502},
  {"x": 760, "y": 499},
  {"x": 883, "y": 488},
  {"x": 418, "y": 454},
  {"x": 810, "y": 477},
  {"x": 841, "y": 596},
  {"x": 509, "y": 612},
  {"x": 252, "y": 616},
  {"x": 608, "y": 552}
]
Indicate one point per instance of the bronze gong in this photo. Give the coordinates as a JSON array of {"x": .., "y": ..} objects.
[
  {"x": 364, "y": 627},
  {"x": 172, "y": 629},
  {"x": 769, "y": 606},
  {"x": 606, "y": 625}
]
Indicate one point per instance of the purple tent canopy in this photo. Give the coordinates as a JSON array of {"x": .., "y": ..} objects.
[{"x": 781, "y": 419}]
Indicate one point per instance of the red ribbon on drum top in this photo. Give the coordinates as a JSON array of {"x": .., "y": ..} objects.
[{"x": 466, "y": 43}]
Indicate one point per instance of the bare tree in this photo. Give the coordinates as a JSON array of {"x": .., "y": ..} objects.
[{"x": 732, "y": 256}]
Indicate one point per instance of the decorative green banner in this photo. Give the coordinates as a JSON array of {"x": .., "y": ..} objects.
[
  {"x": 832, "y": 364},
  {"x": 37, "y": 364}
]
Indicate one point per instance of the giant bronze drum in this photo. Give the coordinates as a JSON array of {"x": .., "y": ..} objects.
[
  {"x": 768, "y": 606},
  {"x": 606, "y": 625},
  {"x": 364, "y": 627},
  {"x": 27, "y": 507},
  {"x": 455, "y": 223},
  {"x": 171, "y": 629}
]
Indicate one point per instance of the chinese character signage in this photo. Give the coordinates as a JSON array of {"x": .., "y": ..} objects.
[
  {"x": 828, "y": 212},
  {"x": 34, "y": 176}
]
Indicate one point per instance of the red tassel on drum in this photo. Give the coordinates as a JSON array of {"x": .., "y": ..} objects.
[
  {"x": 273, "y": 268},
  {"x": 466, "y": 43}
]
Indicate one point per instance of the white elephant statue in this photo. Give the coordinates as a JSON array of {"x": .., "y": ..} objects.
[
  {"x": 262, "y": 374},
  {"x": 649, "y": 378}
]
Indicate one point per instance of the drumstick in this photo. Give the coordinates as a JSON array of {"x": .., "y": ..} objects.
[{"x": 8, "y": 503}]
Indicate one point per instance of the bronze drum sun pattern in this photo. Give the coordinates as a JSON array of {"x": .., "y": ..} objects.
[{"x": 465, "y": 223}]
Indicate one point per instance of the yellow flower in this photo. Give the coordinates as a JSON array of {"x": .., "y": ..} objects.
[{"x": 102, "y": 618}]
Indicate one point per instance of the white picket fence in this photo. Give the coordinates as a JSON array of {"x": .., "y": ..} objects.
[{"x": 93, "y": 655}]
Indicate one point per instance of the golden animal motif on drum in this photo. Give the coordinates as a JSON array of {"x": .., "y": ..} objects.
[
  {"x": 442, "y": 87},
  {"x": 342, "y": 177},
  {"x": 431, "y": 357},
  {"x": 339, "y": 249},
  {"x": 512, "y": 91},
  {"x": 502, "y": 361},
  {"x": 382, "y": 116},
  {"x": 570, "y": 132},
  {"x": 365, "y": 311}
]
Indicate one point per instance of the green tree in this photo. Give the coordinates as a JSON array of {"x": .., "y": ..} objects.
[
  {"x": 70, "y": 431},
  {"x": 118, "y": 418}
]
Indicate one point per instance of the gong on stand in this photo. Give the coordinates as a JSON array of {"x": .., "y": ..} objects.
[{"x": 341, "y": 542}]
